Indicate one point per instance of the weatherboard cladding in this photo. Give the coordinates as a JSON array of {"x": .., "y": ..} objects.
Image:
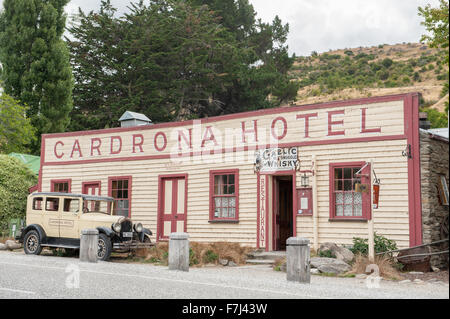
[{"x": 388, "y": 125}]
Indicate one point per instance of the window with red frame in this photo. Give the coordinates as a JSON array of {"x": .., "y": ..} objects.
[
  {"x": 60, "y": 186},
  {"x": 346, "y": 201},
  {"x": 120, "y": 191},
  {"x": 224, "y": 195}
]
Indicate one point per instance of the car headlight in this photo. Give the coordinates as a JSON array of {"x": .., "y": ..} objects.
[
  {"x": 117, "y": 227},
  {"x": 138, "y": 227}
]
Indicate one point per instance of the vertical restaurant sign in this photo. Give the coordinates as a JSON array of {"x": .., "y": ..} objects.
[
  {"x": 262, "y": 212},
  {"x": 277, "y": 159}
]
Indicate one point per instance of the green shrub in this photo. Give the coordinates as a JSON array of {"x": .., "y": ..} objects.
[
  {"x": 15, "y": 180},
  {"x": 327, "y": 253},
  {"x": 382, "y": 244},
  {"x": 210, "y": 256},
  {"x": 192, "y": 258}
]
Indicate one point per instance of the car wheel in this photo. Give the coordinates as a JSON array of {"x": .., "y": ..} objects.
[
  {"x": 104, "y": 247},
  {"x": 32, "y": 243}
]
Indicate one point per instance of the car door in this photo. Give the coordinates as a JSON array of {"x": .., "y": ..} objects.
[
  {"x": 69, "y": 218},
  {"x": 51, "y": 216}
]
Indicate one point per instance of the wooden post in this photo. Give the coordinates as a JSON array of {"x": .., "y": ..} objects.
[
  {"x": 370, "y": 221},
  {"x": 315, "y": 211},
  {"x": 298, "y": 260},
  {"x": 89, "y": 245},
  {"x": 179, "y": 251}
]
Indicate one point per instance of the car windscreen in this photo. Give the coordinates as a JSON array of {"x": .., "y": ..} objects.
[{"x": 97, "y": 206}]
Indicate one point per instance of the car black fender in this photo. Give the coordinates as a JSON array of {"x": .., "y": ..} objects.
[
  {"x": 36, "y": 227},
  {"x": 145, "y": 232},
  {"x": 107, "y": 231}
]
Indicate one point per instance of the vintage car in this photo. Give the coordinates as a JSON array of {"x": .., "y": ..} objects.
[{"x": 56, "y": 220}]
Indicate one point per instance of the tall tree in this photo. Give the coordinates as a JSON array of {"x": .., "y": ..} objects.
[
  {"x": 436, "y": 23},
  {"x": 16, "y": 132},
  {"x": 35, "y": 62},
  {"x": 173, "y": 59}
]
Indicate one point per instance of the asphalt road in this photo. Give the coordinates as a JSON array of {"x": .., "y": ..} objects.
[{"x": 25, "y": 276}]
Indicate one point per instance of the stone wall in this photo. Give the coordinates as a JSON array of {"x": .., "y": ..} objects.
[{"x": 434, "y": 162}]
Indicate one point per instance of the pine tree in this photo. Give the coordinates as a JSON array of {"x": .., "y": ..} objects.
[{"x": 35, "y": 62}]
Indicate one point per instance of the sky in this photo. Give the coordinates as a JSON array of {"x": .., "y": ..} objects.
[{"x": 321, "y": 25}]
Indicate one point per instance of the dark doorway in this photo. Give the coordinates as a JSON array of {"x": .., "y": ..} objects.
[{"x": 283, "y": 218}]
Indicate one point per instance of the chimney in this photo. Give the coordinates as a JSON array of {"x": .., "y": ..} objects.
[
  {"x": 423, "y": 123},
  {"x": 129, "y": 119}
]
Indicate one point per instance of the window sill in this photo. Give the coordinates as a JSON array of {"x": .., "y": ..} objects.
[
  {"x": 361, "y": 220},
  {"x": 304, "y": 214},
  {"x": 230, "y": 221}
]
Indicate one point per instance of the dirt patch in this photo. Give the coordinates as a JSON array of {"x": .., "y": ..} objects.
[{"x": 441, "y": 276}]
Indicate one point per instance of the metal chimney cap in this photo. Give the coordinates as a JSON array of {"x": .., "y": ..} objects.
[{"x": 128, "y": 115}]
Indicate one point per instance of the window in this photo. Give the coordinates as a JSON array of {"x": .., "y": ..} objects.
[
  {"x": 224, "y": 195},
  {"x": 52, "y": 204},
  {"x": 61, "y": 186},
  {"x": 443, "y": 190},
  {"x": 71, "y": 205},
  {"x": 120, "y": 190},
  {"x": 37, "y": 203},
  {"x": 349, "y": 193}
]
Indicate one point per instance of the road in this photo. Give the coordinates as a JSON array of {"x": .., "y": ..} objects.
[{"x": 26, "y": 276}]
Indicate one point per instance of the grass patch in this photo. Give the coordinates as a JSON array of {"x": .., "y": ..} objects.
[
  {"x": 388, "y": 268},
  {"x": 200, "y": 254}
]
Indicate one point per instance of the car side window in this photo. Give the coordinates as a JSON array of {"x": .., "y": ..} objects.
[
  {"x": 37, "y": 203},
  {"x": 71, "y": 205},
  {"x": 52, "y": 204}
]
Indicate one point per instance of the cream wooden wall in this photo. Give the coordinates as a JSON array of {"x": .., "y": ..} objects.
[{"x": 391, "y": 218}]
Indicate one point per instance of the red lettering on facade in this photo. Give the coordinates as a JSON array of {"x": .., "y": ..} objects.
[
  {"x": 155, "y": 142},
  {"x": 306, "y": 117},
  {"x": 54, "y": 149},
  {"x": 141, "y": 141},
  {"x": 115, "y": 138},
  {"x": 331, "y": 122},
  {"x": 185, "y": 138},
  {"x": 363, "y": 124},
  {"x": 76, "y": 148},
  {"x": 97, "y": 146},
  {"x": 210, "y": 138},
  {"x": 254, "y": 131},
  {"x": 272, "y": 129}
]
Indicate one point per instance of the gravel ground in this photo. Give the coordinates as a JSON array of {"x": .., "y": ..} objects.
[{"x": 25, "y": 276}]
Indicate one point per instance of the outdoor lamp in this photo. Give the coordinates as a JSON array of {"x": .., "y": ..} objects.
[{"x": 304, "y": 180}]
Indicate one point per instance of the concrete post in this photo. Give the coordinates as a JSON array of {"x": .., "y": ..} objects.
[
  {"x": 89, "y": 245},
  {"x": 179, "y": 251},
  {"x": 298, "y": 259}
]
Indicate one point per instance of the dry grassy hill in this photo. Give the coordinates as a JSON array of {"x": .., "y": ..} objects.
[{"x": 372, "y": 71}]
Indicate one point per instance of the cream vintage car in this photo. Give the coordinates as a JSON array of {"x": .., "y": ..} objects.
[{"x": 56, "y": 220}]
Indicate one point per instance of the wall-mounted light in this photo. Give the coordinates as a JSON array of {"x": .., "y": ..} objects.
[
  {"x": 257, "y": 164},
  {"x": 304, "y": 180}
]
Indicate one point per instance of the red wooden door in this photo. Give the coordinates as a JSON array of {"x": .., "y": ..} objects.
[
  {"x": 91, "y": 188},
  {"x": 172, "y": 206}
]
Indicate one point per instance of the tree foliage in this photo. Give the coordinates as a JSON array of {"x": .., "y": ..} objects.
[
  {"x": 35, "y": 61},
  {"x": 175, "y": 60},
  {"x": 16, "y": 131},
  {"x": 15, "y": 179},
  {"x": 436, "y": 23}
]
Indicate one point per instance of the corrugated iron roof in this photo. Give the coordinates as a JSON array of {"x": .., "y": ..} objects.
[{"x": 33, "y": 162}]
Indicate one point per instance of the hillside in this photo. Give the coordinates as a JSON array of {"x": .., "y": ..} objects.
[{"x": 372, "y": 71}]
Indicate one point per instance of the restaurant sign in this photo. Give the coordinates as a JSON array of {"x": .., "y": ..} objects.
[{"x": 276, "y": 159}]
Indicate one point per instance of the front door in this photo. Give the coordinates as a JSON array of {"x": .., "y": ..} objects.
[
  {"x": 172, "y": 206},
  {"x": 283, "y": 218}
]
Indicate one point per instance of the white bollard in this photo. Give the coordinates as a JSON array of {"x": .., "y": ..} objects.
[
  {"x": 298, "y": 260},
  {"x": 179, "y": 251},
  {"x": 89, "y": 245}
]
